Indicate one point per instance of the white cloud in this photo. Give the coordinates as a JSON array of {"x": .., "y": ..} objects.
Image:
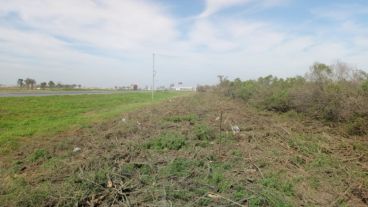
[
  {"x": 109, "y": 24},
  {"x": 110, "y": 42},
  {"x": 213, "y": 6}
]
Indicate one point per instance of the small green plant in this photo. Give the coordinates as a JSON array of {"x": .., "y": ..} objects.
[
  {"x": 218, "y": 179},
  {"x": 192, "y": 118},
  {"x": 275, "y": 182},
  {"x": 169, "y": 141},
  {"x": 323, "y": 162},
  {"x": 203, "y": 132},
  {"x": 179, "y": 167},
  {"x": 239, "y": 193},
  {"x": 39, "y": 154},
  {"x": 217, "y": 176}
]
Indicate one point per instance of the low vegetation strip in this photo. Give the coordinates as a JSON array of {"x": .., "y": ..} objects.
[
  {"x": 45, "y": 116},
  {"x": 337, "y": 94},
  {"x": 186, "y": 152}
]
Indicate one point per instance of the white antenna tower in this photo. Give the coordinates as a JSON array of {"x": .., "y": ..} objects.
[{"x": 153, "y": 75}]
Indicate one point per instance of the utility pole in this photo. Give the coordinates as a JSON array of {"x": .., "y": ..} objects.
[{"x": 153, "y": 74}]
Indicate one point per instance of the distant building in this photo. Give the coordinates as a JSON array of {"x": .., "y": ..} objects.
[{"x": 185, "y": 88}]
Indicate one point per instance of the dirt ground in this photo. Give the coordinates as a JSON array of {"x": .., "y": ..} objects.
[{"x": 201, "y": 150}]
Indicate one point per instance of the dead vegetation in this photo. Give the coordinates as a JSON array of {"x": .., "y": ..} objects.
[{"x": 185, "y": 153}]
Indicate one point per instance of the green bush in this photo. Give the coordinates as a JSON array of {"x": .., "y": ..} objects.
[{"x": 279, "y": 101}]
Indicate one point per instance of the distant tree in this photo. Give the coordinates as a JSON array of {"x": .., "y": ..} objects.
[
  {"x": 43, "y": 85},
  {"x": 221, "y": 78},
  {"x": 33, "y": 83},
  {"x": 29, "y": 82},
  {"x": 20, "y": 82},
  {"x": 79, "y": 86},
  {"x": 342, "y": 71},
  {"x": 320, "y": 72},
  {"x": 51, "y": 84}
]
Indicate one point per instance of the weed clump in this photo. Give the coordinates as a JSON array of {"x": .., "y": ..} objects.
[
  {"x": 180, "y": 167},
  {"x": 358, "y": 126},
  {"x": 217, "y": 176},
  {"x": 168, "y": 141},
  {"x": 191, "y": 118},
  {"x": 204, "y": 132},
  {"x": 39, "y": 154},
  {"x": 276, "y": 183}
]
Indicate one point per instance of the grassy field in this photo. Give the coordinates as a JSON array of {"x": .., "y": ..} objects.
[
  {"x": 176, "y": 154},
  {"x": 27, "y": 117}
]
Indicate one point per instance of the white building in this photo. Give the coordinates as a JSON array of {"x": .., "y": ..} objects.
[{"x": 185, "y": 88}]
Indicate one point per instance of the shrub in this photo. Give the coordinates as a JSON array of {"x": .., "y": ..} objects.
[{"x": 336, "y": 93}]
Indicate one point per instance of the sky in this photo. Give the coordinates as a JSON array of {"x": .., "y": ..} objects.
[{"x": 107, "y": 43}]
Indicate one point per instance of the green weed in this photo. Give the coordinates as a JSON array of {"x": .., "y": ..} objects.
[
  {"x": 204, "y": 132},
  {"x": 168, "y": 141},
  {"x": 279, "y": 184},
  {"x": 39, "y": 154},
  {"x": 192, "y": 118}
]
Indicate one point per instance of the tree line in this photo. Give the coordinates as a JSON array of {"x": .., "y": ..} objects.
[{"x": 30, "y": 83}]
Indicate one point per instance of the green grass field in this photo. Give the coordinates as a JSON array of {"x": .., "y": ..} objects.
[{"x": 45, "y": 116}]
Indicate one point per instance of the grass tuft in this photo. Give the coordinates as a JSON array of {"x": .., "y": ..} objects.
[{"x": 166, "y": 141}]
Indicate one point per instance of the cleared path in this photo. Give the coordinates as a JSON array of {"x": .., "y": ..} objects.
[{"x": 52, "y": 93}]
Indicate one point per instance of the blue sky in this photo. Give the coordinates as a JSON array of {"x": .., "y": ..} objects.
[{"x": 109, "y": 43}]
